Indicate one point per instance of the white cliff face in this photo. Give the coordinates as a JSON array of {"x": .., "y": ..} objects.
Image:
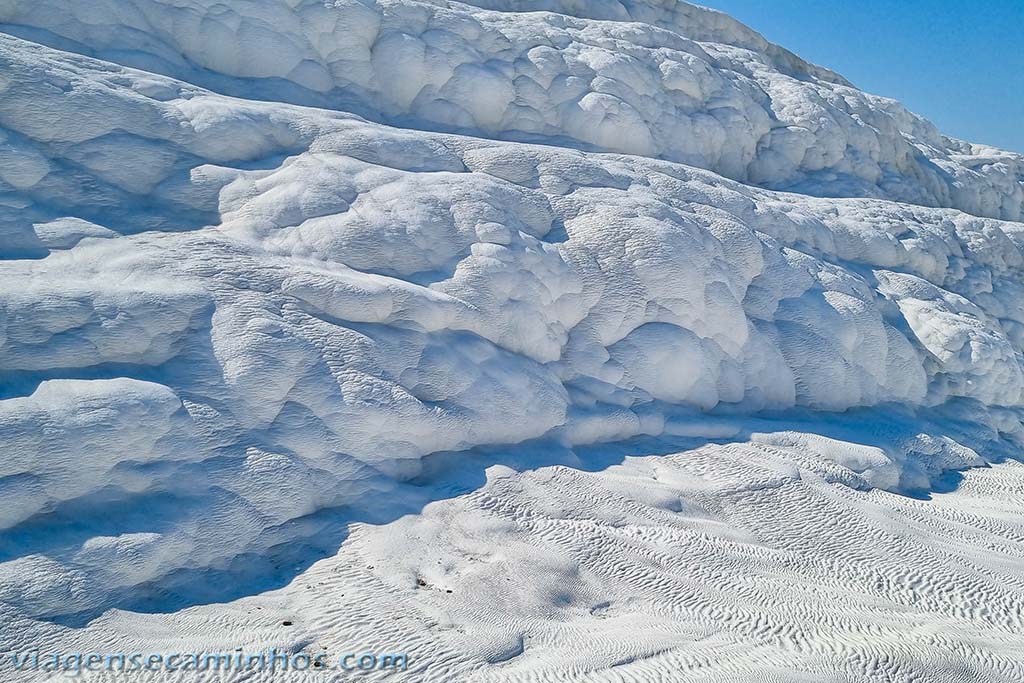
[
  {"x": 222, "y": 315},
  {"x": 664, "y": 79}
]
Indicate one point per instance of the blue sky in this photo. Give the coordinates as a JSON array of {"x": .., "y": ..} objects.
[{"x": 957, "y": 62}]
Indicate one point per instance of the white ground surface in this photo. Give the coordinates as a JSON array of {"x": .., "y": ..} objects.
[
  {"x": 282, "y": 281},
  {"x": 739, "y": 562}
]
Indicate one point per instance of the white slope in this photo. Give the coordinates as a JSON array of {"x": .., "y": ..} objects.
[
  {"x": 661, "y": 78},
  {"x": 738, "y": 563},
  {"x": 246, "y": 292}
]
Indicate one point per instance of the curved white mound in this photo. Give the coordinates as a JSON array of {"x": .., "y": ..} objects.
[
  {"x": 661, "y": 79},
  {"x": 223, "y": 315}
]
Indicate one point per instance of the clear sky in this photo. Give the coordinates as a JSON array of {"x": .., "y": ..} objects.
[{"x": 959, "y": 63}]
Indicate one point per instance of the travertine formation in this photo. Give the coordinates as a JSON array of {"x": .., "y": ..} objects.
[{"x": 261, "y": 258}]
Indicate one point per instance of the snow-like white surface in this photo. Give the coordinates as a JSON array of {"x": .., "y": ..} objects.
[
  {"x": 743, "y": 562},
  {"x": 662, "y": 79},
  {"x": 260, "y": 258}
]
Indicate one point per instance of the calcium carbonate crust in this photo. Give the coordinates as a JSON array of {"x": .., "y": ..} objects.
[
  {"x": 223, "y": 316},
  {"x": 662, "y": 79}
]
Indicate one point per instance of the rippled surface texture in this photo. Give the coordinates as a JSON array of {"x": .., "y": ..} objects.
[{"x": 669, "y": 355}]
